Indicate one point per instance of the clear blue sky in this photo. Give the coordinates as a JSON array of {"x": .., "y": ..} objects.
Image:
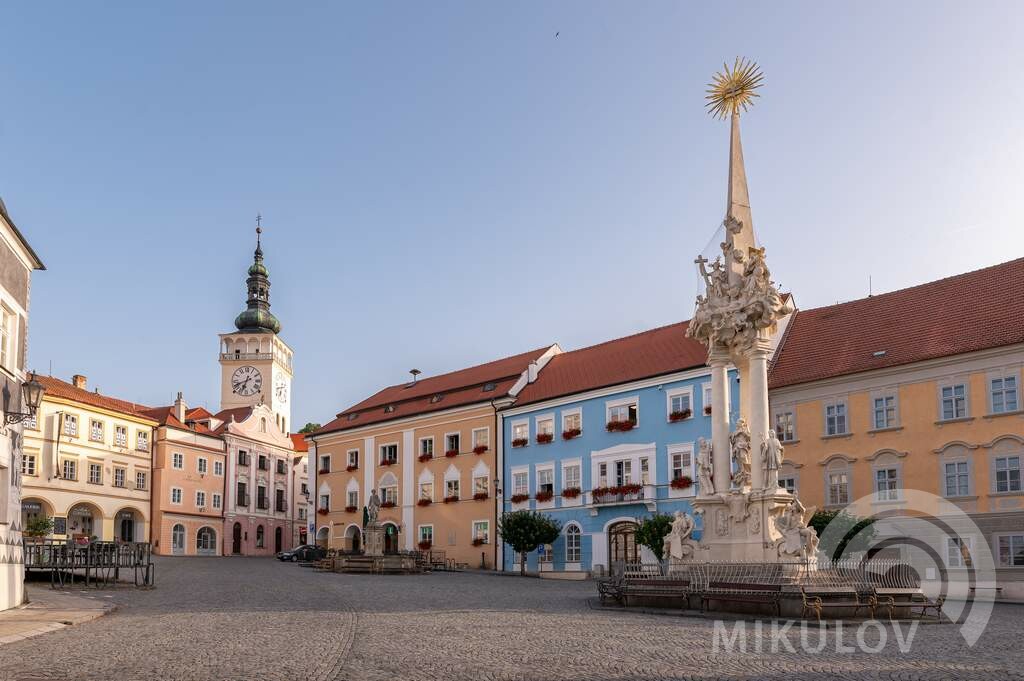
[{"x": 447, "y": 183}]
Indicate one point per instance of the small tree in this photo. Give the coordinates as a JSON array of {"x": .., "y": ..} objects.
[
  {"x": 524, "y": 531},
  {"x": 651, "y": 532},
  {"x": 38, "y": 527},
  {"x": 844, "y": 532},
  {"x": 310, "y": 427}
]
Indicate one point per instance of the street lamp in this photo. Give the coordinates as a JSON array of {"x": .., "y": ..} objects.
[{"x": 31, "y": 396}]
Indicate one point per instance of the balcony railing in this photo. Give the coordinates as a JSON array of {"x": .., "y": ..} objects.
[
  {"x": 263, "y": 465},
  {"x": 242, "y": 500},
  {"x": 263, "y": 504},
  {"x": 247, "y": 355},
  {"x": 281, "y": 506},
  {"x": 617, "y": 495}
]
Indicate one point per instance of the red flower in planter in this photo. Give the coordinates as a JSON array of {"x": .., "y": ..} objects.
[
  {"x": 424, "y": 502},
  {"x": 544, "y": 496},
  {"x": 520, "y": 442},
  {"x": 480, "y": 449},
  {"x": 519, "y": 498},
  {"x": 571, "y": 492},
  {"x": 544, "y": 438},
  {"x": 619, "y": 426},
  {"x": 685, "y": 482},
  {"x": 599, "y": 492},
  {"x": 707, "y": 410},
  {"x": 571, "y": 433},
  {"x": 351, "y": 509},
  {"x": 452, "y": 453},
  {"x": 480, "y": 496},
  {"x": 387, "y": 462},
  {"x": 680, "y": 415},
  {"x": 451, "y": 499},
  {"x": 426, "y": 457},
  {"x": 322, "y": 511},
  {"x": 479, "y": 541},
  {"x": 425, "y": 545},
  {"x": 324, "y": 471},
  {"x": 351, "y": 467},
  {"x": 631, "y": 488},
  {"x": 388, "y": 504}
]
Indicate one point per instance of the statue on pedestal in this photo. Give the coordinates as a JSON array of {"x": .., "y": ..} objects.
[
  {"x": 675, "y": 543},
  {"x": 372, "y": 507},
  {"x": 798, "y": 540},
  {"x": 740, "y": 444},
  {"x": 705, "y": 469},
  {"x": 771, "y": 459}
]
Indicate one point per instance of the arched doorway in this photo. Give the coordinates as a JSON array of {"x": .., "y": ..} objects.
[
  {"x": 206, "y": 542},
  {"x": 277, "y": 540},
  {"x": 125, "y": 524},
  {"x": 390, "y": 538},
  {"x": 84, "y": 522},
  {"x": 178, "y": 540},
  {"x": 236, "y": 538},
  {"x": 321, "y": 537},
  {"x": 34, "y": 510},
  {"x": 622, "y": 546},
  {"x": 353, "y": 539},
  {"x": 259, "y": 537}
]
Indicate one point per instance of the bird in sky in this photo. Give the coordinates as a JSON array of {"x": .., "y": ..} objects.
[{"x": 556, "y": 33}]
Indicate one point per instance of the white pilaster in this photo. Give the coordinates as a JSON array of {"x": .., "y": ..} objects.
[
  {"x": 757, "y": 419},
  {"x": 719, "y": 360}
]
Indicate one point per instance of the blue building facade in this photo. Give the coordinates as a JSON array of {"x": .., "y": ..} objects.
[{"x": 561, "y": 457}]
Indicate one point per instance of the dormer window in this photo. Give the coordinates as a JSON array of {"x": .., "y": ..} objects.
[
  {"x": 436, "y": 398},
  {"x": 389, "y": 409},
  {"x": 488, "y": 387}
]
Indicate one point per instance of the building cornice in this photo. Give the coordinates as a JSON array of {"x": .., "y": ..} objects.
[{"x": 393, "y": 425}]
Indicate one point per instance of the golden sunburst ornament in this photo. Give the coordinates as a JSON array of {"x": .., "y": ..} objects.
[{"x": 732, "y": 90}]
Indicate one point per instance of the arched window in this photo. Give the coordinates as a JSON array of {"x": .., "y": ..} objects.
[
  {"x": 206, "y": 541},
  {"x": 259, "y": 537},
  {"x": 572, "y": 544},
  {"x": 178, "y": 538}
]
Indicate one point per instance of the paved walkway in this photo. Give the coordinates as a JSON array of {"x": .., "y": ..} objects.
[
  {"x": 250, "y": 619},
  {"x": 48, "y": 611}
]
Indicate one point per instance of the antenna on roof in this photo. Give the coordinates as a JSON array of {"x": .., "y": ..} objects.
[
  {"x": 870, "y": 290},
  {"x": 415, "y": 373}
]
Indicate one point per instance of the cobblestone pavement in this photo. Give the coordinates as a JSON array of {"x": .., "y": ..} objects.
[{"x": 237, "y": 618}]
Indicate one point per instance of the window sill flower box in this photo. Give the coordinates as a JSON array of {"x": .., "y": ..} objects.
[
  {"x": 480, "y": 449},
  {"x": 480, "y": 496},
  {"x": 424, "y": 502},
  {"x": 450, "y": 500},
  {"x": 519, "y": 498},
  {"x": 571, "y": 492},
  {"x": 707, "y": 411},
  {"x": 684, "y": 482},
  {"x": 351, "y": 509},
  {"x": 425, "y": 457},
  {"x": 388, "y": 504},
  {"x": 324, "y": 471},
  {"x": 425, "y": 545},
  {"x": 544, "y": 438},
  {"x": 520, "y": 442},
  {"x": 322, "y": 511},
  {"x": 387, "y": 462},
  {"x": 452, "y": 453},
  {"x": 681, "y": 415},
  {"x": 352, "y": 467},
  {"x": 479, "y": 541},
  {"x": 619, "y": 426},
  {"x": 604, "y": 495},
  {"x": 571, "y": 433},
  {"x": 544, "y": 496}
]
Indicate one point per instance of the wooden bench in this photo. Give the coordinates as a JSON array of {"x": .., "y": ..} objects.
[
  {"x": 670, "y": 588},
  {"x": 741, "y": 592},
  {"x": 922, "y": 602},
  {"x": 866, "y": 598},
  {"x": 611, "y": 588}
]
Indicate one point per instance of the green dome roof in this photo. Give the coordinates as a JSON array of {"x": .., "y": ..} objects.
[
  {"x": 254, "y": 319},
  {"x": 257, "y": 268}
]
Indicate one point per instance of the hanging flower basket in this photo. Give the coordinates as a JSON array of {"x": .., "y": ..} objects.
[
  {"x": 451, "y": 499},
  {"x": 480, "y": 496},
  {"x": 324, "y": 471},
  {"x": 544, "y": 496},
  {"x": 520, "y": 442},
  {"x": 480, "y": 449},
  {"x": 680, "y": 415},
  {"x": 351, "y": 509},
  {"x": 452, "y": 453},
  {"x": 619, "y": 426},
  {"x": 388, "y": 504},
  {"x": 352, "y": 467},
  {"x": 684, "y": 482},
  {"x": 425, "y": 457},
  {"x": 519, "y": 498},
  {"x": 570, "y": 492},
  {"x": 424, "y": 502},
  {"x": 707, "y": 410},
  {"x": 479, "y": 541},
  {"x": 425, "y": 545},
  {"x": 571, "y": 433},
  {"x": 387, "y": 462},
  {"x": 322, "y": 511}
]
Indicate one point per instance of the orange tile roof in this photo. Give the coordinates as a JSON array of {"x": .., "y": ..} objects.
[
  {"x": 197, "y": 414},
  {"x": 457, "y": 388},
  {"x": 964, "y": 313},
  {"x": 643, "y": 355},
  {"x": 225, "y": 416},
  {"x": 64, "y": 390},
  {"x": 299, "y": 443},
  {"x": 165, "y": 417}
]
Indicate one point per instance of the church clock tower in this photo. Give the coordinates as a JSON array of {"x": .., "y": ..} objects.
[{"x": 255, "y": 364}]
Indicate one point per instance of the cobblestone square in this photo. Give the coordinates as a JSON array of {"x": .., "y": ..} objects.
[{"x": 250, "y": 618}]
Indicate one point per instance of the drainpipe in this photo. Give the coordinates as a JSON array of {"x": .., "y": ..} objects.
[{"x": 499, "y": 471}]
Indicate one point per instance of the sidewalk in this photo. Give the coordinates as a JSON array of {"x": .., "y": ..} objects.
[{"x": 47, "y": 611}]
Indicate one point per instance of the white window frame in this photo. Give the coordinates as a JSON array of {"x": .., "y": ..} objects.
[
  {"x": 456, "y": 433},
  {"x": 959, "y": 542},
  {"x": 218, "y": 468},
  {"x": 449, "y": 483},
  {"x": 847, "y": 471},
  {"x": 349, "y": 459},
  {"x": 573, "y": 559},
  {"x": 544, "y": 420},
  {"x": 176, "y": 492},
  {"x": 990, "y": 389},
  {"x": 682, "y": 449},
  {"x": 894, "y": 483},
  {"x": 69, "y": 425},
  {"x": 388, "y": 445},
  {"x": 420, "y": 533},
  {"x": 679, "y": 392},
  {"x": 705, "y": 397},
  {"x": 217, "y": 501},
  {"x": 200, "y": 498},
  {"x": 425, "y": 483},
  {"x": 95, "y": 430},
  {"x": 473, "y": 534},
  {"x": 515, "y": 473},
  {"x": 142, "y": 441},
  {"x": 996, "y": 540},
  {"x": 627, "y": 402},
  {"x": 8, "y": 338},
  {"x": 566, "y": 465},
  {"x": 73, "y": 463},
  {"x": 1019, "y": 456},
  {"x": 568, "y": 413},
  {"x": 953, "y": 385},
  {"x": 202, "y": 465},
  {"x": 120, "y": 436},
  {"x": 475, "y": 437},
  {"x": 424, "y": 441},
  {"x": 549, "y": 469},
  {"x": 352, "y": 495},
  {"x": 884, "y": 396},
  {"x": 514, "y": 435},
  {"x": 124, "y": 476},
  {"x": 789, "y": 411},
  {"x": 177, "y": 461},
  {"x": 784, "y": 478},
  {"x": 98, "y": 468},
  {"x": 485, "y": 488},
  {"x": 28, "y": 464},
  {"x": 836, "y": 404},
  {"x": 944, "y": 476}
]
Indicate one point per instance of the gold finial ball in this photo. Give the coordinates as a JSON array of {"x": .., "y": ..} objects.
[{"x": 732, "y": 89}]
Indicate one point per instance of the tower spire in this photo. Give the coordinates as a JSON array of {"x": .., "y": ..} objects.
[{"x": 257, "y": 317}]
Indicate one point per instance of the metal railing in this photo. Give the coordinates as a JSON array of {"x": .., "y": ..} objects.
[
  {"x": 247, "y": 355},
  {"x": 98, "y": 563}
]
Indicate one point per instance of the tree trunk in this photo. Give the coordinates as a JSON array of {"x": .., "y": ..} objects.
[{"x": 522, "y": 563}]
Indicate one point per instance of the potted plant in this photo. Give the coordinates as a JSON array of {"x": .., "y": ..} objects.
[
  {"x": 571, "y": 433},
  {"x": 680, "y": 415},
  {"x": 38, "y": 528},
  {"x": 520, "y": 442},
  {"x": 424, "y": 502},
  {"x": 324, "y": 471},
  {"x": 570, "y": 492},
  {"x": 544, "y": 495},
  {"x": 479, "y": 496},
  {"x": 425, "y": 457},
  {"x": 387, "y": 462},
  {"x": 352, "y": 467},
  {"x": 620, "y": 426},
  {"x": 479, "y": 541},
  {"x": 707, "y": 410},
  {"x": 451, "y": 499},
  {"x": 480, "y": 449},
  {"x": 322, "y": 511},
  {"x": 425, "y": 545},
  {"x": 388, "y": 504},
  {"x": 452, "y": 453},
  {"x": 519, "y": 498},
  {"x": 683, "y": 482},
  {"x": 351, "y": 509},
  {"x": 544, "y": 438}
]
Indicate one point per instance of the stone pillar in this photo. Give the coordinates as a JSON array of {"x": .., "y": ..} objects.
[
  {"x": 757, "y": 419},
  {"x": 718, "y": 358}
]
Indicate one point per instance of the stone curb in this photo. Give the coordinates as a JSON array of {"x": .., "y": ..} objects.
[{"x": 29, "y": 615}]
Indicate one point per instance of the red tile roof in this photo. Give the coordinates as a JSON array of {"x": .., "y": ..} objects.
[
  {"x": 299, "y": 443},
  {"x": 952, "y": 316},
  {"x": 225, "y": 415},
  {"x": 165, "y": 417},
  {"x": 197, "y": 414},
  {"x": 457, "y": 388},
  {"x": 643, "y": 355},
  {"x": 64, "y": 390}
]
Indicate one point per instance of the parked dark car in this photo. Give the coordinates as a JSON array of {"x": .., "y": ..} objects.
[{"x": 305, "y": 553}]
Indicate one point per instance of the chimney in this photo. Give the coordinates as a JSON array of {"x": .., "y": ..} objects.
[
  {"x": 79, "y": 381},
  {"x": 531, "y": 372},
  {"x": 180, "y": 408}
]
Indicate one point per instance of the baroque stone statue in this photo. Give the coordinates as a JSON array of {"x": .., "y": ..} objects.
[
  {"x": 798, "y": 540},
  {"x": 674, "y": 543},
  {"x": 739, "y": 442},
  {"x": 372, "y": 507},
  {"x": 771, "y": 459},
  {"x": 705, "y": 468}
]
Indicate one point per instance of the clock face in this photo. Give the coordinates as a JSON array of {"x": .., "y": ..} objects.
[
  {"x": 281, "y": 389},
  {"x": 246, "y": 381}
]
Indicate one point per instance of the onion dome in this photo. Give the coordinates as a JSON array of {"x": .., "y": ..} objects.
[{"x": 257, "y": 317}]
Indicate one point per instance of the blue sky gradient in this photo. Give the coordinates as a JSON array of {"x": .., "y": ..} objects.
[{"x": 447, "y": 183}]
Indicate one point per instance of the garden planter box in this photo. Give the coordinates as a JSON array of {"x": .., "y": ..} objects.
[
  {"x": 385, "y": 462},
  {"x": 324, "y": 471},
  {"x": 480, "y": 449},
  {"x": 519, "y": 498},
  {"x": 707, "y": 411},
  {"x": 544, "y": 438},
  {"x": 479, "y": 542},
  {"x": 425, "y": 545},
  {"x": 450, "y": 500},
  {"x": 571, "y": 492},
  {"x": 351, "y": 509},
  {"x": 452, "y": 453},
  {"x": 520, "y": 442},
  {"x": 544, "y": 496},
  {"x": 322, "y": 511},
  {"x": 425, "y": 457},
  {"x": 480, "y": 496},
  {"x": 680, "y": 415},
  {"x": 351, "y": 468},
  {"x": 571, "y": 433},
  {"x": 619, "y": 426},
  {"x": 424, "y": 502},
  {"x": 685, "y": 482}
]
